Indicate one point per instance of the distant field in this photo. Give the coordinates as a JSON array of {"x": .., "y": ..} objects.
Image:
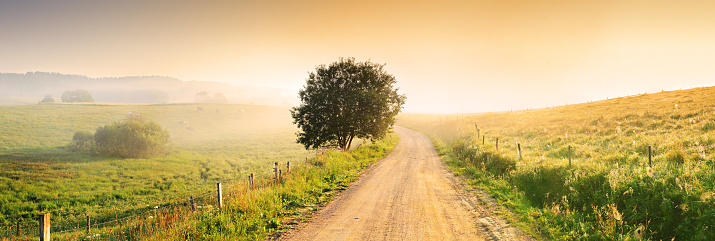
[
  {"x": 18, "y": 100},
  {"x": 610, "y": 192},
  {"x": 38, "y": 173}
]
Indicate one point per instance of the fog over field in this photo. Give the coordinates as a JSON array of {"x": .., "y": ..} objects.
[
  {"x": 582, "y": 119},
  {"x": 29, "y": 88},
  {"x": 448, "y": 56}
]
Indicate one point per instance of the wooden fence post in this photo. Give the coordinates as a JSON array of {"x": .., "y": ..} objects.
[
  {"x": 497, "y": 144},
  {"x": 45, "y": 227},
  {"x": 477, "y": 128},
  {"x": 275, "y": 172},
  {"x": 569, "y": 156},
  {"x": 483, "y": 138},
  {"x": 220, "y": 196},
  {"x": 649, "y": 158},
  {"x": 193, "y": 204},
  {"x": 518, "y": 147},
  {"x": 88, "y": 225},
  {"x": 288, "y": 167},
  {"x": 250, "y": 182}
]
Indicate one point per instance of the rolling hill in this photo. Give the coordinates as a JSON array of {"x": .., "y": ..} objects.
[{"x": 582, "y": 171}]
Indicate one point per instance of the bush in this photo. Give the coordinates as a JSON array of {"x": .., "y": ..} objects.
[
  {"x": 82, "y": 140},
  {"x": 543, "y": 185},
  {"x": 493, "y": 163},
  {"x": 132, "y": 138},
  {"x": 496, "y": 164}
]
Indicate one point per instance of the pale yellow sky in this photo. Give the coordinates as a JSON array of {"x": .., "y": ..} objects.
[{"x": 447, "y": 56}]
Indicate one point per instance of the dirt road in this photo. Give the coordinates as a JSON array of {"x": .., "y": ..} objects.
[{"x": 409, "y": 195}]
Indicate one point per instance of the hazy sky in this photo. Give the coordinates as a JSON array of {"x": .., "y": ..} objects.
[{"x": 447, "y": 56}]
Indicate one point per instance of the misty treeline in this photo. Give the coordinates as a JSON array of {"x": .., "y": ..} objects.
[
  {"x": 132, "y": 89},
  {"x": 204, "y": 97},
  {"x": 132, "y": 138},
  {"x": 70, "y": 96},
  {"x": 78, "y": 95}
]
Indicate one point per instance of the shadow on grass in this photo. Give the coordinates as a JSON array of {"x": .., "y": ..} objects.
[{"x": 58, "y": 155}]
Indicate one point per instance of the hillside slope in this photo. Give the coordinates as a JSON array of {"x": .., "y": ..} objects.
[{"x": 609, "y": 191}]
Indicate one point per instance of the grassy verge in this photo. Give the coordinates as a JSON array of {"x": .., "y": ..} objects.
[
  {"x": 269, "y": 207},
  {"x": 38, "y": 173},
  {"x": 609, "y": 190},
  {"x": 254, "y": 214}
]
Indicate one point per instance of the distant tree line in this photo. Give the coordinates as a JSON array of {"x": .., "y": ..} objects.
[
  {"x": 132, "y": 96},
  {"x": 78, "y": 95},
  {"x": 204, "y": 97}
]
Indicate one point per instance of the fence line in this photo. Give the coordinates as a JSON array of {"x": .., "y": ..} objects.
[
  {"x": 25, "y": 230},
  {"x": 649, "y": 151}
]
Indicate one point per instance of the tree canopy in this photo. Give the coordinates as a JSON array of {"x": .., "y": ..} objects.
[
  {"x": 202, "y": 97},
  {"x": 219, "y": 98},
  {"x": 344, "y": 100},
  {"x": 48, "y": 99},
  {"x": 78, "y": 95}
]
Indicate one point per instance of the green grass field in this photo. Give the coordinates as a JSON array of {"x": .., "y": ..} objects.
[
  {"x": 255, "y": 214},
  {"x": 610, "y": 192},
  {"x": 38, "y": 173}
]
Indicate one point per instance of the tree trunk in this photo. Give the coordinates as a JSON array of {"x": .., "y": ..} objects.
[{"x": 350, "y": 142}]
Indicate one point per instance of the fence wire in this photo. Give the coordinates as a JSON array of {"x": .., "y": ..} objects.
[{"x": 121, "y": 227}]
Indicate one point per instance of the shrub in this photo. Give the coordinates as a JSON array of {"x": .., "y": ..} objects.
[
  {"x": 589, "y": 189},
  {"x": 496, "y": 164},
  {"x": 493, "y": 163},
  {"x": 82, "y": 140},
  {"x": 542, "y": 185},
  {"x": 132, "y": 138}
]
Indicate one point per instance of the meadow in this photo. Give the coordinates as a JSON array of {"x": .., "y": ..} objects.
[
  {"x": 583, "y": 170},
  {"x": 39, "y": 172}
]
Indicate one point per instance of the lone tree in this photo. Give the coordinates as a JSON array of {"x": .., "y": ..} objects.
[{"x": 345, "y": 100}]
